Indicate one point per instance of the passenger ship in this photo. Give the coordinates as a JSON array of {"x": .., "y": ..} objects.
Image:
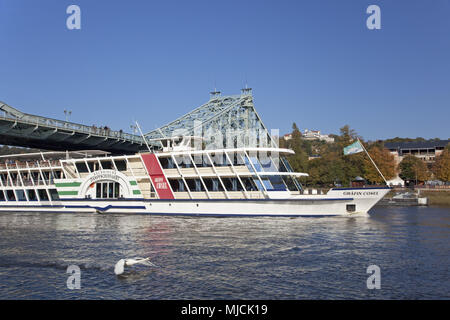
[{"x": 176, "y": 180}]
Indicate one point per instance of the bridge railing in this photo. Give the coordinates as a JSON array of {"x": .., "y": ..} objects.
[{"x": 59, "y": 124}]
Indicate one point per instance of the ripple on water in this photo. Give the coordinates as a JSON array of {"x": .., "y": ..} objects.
[{"x": 220, "y": 258}]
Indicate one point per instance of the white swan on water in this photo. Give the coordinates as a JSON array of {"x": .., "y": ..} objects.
[{"x": 122, "y": 263}]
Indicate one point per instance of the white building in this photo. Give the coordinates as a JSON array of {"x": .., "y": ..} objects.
[{"x": 316, "y": 135}]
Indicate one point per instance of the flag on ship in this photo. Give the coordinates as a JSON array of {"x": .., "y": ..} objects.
[{"x": 355, "y": 147}]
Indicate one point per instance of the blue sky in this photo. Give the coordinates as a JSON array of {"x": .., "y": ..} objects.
[{"x": 312, "y": 62}]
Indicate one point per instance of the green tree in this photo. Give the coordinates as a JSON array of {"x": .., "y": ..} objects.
[
  {"x": 413, "y": 168},
  {"x": 441, "y": 167},
  {"x": 299, "y": 160}
]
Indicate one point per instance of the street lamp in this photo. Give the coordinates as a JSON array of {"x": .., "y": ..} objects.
[{"x": 67, "y": 113}]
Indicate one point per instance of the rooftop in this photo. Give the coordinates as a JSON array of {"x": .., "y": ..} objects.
[{"x": 430, "y": 144}]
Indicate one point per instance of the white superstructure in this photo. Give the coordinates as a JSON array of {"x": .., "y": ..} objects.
[{"x": 178, "y": 180}]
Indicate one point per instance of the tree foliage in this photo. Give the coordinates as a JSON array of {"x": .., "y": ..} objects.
[
  {"x": 332, "y": 167},
  {"x": 384, "y": 161},
  {"x": 298, "y": 161},
  {"x": 441, "y": 167},
  {"x": 413, "y": 168}
]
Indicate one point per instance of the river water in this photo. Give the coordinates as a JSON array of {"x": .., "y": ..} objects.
[{"x": 227, "y": 258}]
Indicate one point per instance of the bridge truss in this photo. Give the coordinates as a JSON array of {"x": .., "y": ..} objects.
[{"x": 223, "y": 121}]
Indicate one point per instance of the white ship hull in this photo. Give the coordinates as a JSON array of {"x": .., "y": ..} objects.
[{"x": 337, "y": 202}]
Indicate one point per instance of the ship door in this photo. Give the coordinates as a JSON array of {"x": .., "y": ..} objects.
[{"x": 108, "y": 190}]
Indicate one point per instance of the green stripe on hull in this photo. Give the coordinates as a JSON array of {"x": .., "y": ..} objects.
[
  {"x": 68, "y": 193},
  {"x": 67, "y": 184}
]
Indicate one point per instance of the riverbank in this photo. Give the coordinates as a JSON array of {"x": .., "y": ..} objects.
[
  {"x": 434, "y": 197},
  {"x": 441, "y": 198}
]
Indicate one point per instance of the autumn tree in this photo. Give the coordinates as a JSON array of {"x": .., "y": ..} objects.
[
  {"x": 441, "y": 167},
  {"x": 384, "y": 161},
  {"x": 413, "y": 168}
]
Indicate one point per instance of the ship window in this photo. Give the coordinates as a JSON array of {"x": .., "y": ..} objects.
[
  {"x": 209, "y": 184},
  {"x": 213, "y": 184},
  {"x": 32, "y": 195},
  {"x": 351, "y": 207},
  {"x": 290, "y": 183},
  {"x": 199, "y": 185},
  {"x": 35, "y": 176},
  {"x": 111, "y": 190},
  {"x": 54, "y": 194},
  {"x": 195, "y": 185},
  {"x": 277, "y": 183},
  {"x": 170, "y": 163},
  {"x": 81, "y": 167},
  {"x": 91, "y": 165},
  {"x": 181, "y": 186},
  {"x": 21, "y": 195},
  {"x": 249, "y": 184},
  {"x": 10, "y": 195},
  {"x": 98, "y": 190},
  {"x": 186, "y": 161},
  {"x": 191, "y": 184},
  {"x": 177, "y": 185},
  {"x": 116, "y": 190},
  {"x": 232, "y": 184},
  {"x": 228, "y": 184},
  {"x": 13, "y": 179},
  {"x": 121, "y": 165},
  {"x": 107, "y": 190},
  {"x": 164, "y": 162},
  {"x": 104, "y": 190},
  {"x": 2, "y": 195},
  {"x": 42, "y": 195},
  {"x": 106, "y": 164},
  {"x": 174, "y": 184},
  {"x": 177, "y": 161},
  {"x": 238, "y": 185}
]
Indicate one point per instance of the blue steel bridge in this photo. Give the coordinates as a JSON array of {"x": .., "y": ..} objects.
[{"x": 220, "y": 113}]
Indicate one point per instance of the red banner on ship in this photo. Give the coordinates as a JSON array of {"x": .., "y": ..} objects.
[{"x": 156, "y": 173}]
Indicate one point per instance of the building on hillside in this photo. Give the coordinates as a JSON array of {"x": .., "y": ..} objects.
[
  {"x": 314, "y": 157},
  {"x": 316, "y": 135},
  {"x": 425, "y": 150},
  {"x": 287, "y": 136}
]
